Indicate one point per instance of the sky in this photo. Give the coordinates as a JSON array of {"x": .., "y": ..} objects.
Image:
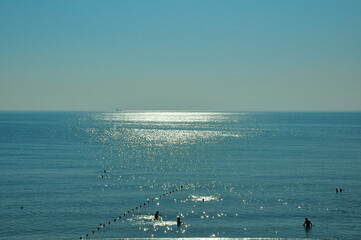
[{"x": 204, "y": 55}]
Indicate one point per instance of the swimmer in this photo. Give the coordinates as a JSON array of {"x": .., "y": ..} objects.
[
  {"x": 178, "y": 221},
  {"x": 307, "y": 224},
  {"x": 156, "y": 216}
]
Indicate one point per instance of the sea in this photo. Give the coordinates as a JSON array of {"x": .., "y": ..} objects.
[{"x": 225, "y": 175}]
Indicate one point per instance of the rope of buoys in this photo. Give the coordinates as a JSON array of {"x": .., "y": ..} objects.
[{"x": 101, "y": 225}]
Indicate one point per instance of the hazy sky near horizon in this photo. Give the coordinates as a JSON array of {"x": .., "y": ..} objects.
[{"x": 180, "y": 55}]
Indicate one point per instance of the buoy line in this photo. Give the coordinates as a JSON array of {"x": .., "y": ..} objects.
[{"x": 102, "y": 225}]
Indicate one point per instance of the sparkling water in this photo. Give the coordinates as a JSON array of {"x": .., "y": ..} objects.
[{"x": 103, "y": 175}]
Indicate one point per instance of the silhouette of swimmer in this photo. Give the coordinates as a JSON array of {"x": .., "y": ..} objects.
[
  {"x": 307, "y": 224},
  {"x": 156, "y": 216},
  {"x": 178, "y": 221}
]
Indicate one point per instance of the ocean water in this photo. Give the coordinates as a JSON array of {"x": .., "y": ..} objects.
[{"x": 103, "y": 175}]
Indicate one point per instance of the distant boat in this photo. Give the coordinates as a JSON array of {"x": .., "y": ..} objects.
[{"x": 118, "y": 110}]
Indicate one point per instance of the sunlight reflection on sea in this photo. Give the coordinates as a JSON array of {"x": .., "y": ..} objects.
[{"x": 245, "y": 175}]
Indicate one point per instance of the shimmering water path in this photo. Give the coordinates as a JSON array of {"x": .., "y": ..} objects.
[{"x": 247, "y": 175}]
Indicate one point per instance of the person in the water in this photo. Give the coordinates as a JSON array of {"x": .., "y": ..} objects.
[
  {"x": 307, "y": 224},
  {"x": 179, "y": 221},
  {"x": 156, "y": 216}
]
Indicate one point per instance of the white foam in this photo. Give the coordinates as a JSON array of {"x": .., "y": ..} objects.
[{"x": 203, "y": 198}]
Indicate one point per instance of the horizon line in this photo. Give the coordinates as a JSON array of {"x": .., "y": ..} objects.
[{"x": 168, "y": 110}]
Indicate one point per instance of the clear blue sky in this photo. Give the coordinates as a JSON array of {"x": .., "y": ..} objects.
[{"x": 180, "y": 55}]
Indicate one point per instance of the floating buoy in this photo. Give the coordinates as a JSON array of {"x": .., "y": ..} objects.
[{"x": 144, "y": 204}]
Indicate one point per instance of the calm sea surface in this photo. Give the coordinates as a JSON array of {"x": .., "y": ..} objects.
[{"x": 244, "y": 175}]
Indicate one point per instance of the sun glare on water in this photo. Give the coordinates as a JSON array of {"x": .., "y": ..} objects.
[
  {"x": 165, "y": 117},
  {"x": 167, "y": 128}
]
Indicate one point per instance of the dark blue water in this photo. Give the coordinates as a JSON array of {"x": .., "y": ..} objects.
[{"x": 244, "y": 175}]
